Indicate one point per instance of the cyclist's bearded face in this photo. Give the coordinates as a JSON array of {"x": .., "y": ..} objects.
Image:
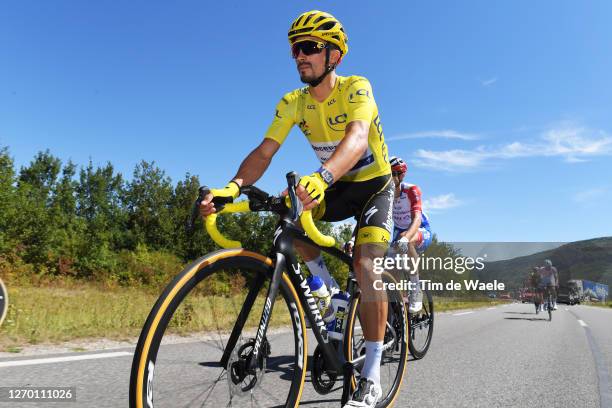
[{"x": 311, "y": 67}]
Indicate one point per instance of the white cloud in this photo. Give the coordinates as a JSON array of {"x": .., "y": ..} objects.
[
  {"x": 587, "y": 196},
  {"x": 574, "y": 144},
  {"x": 441, "y": 202},
  {"x": 444, "y": 134},
  {"x": 488, "y": 82}
]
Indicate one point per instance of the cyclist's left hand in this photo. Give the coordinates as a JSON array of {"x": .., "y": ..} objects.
[{"x": 311, "y": 190}]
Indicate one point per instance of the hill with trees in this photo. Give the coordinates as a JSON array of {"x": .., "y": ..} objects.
[{"x": 590, "y": 259}]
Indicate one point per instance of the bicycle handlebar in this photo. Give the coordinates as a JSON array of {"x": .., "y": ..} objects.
[{"x": 260, "y": 201}]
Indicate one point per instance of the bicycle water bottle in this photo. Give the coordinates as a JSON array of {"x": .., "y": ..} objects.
[
  {"x": 339, "y": 304},
  {"x": 321, "y": 294}
]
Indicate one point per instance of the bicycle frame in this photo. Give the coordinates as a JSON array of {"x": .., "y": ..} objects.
[{"x": 285, "y": 259}]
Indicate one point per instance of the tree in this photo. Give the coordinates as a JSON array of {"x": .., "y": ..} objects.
[
  {"x": 7, "y": 198},
  {"x": 98, "y": 204},
  {"x": 148, "y": 198}
]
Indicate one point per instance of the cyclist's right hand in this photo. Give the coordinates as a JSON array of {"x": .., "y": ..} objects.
[{"x": 207, "y": 207}]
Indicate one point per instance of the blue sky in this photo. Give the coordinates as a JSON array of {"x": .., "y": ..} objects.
[{"x": 501, "y": 109}]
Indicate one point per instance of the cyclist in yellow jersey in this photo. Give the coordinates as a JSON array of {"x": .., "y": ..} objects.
[
  {"x": 339, "y": 117},
  {"x": 324, "y": 123}
]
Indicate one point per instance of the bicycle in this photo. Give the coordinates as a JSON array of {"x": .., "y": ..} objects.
[
  {"x": 245, "y": 360},
  {"x": 548, "y": 291},
  {"x": 421, "y": 323},
  {"x": 421, "y": 326},
  {"x": 3, "y": 302}
]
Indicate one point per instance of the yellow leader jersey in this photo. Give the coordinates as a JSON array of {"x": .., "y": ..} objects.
[{"x": 324, "y": 123}]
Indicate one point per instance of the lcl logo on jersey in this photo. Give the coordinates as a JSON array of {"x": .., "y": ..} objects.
[
  {"x": 337, "y": 123},
  {"x": 364, "y": 93}
]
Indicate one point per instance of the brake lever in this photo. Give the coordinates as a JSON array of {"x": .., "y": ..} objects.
[
  {"x": 296, "y": 204},
  {"x": 195, "y": 209}
]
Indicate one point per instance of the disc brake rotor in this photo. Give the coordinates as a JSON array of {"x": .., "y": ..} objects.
[{"x": 243, "y": 381}]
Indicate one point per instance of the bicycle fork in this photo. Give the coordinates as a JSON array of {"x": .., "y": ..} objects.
[
  {"x": 267, "y": 311},
  {"x": 265, "y": 316}
]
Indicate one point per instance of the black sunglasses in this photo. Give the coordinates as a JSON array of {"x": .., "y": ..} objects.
[{"x": 307, "y": 47}]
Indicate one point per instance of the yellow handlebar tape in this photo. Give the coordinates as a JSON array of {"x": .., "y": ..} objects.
[
  {"x": 311, "y": 230},
  {"x": 211, "y": 224},
  {"x": 243, "y": 206},
  {"x": 211, "y": 228}
]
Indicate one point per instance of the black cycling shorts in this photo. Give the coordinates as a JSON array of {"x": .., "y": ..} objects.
[{"x": 370, "y": 202}]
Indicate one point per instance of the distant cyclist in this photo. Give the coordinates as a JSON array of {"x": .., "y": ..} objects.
[
  {"x": 412, "y": 233},
  {"x": 534, "y": 285},
  {"x": 549, "y": 278}
]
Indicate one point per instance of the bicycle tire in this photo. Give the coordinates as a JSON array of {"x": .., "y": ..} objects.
[
  {"x": 143, "y": 370},
  {"x": 550, "y": 307},
  {"x": 423, "y": 320},
  {"x": 4, "y": 301},
  {"x": 397, "y": 313}
]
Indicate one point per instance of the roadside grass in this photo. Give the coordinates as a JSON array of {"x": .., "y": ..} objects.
[
  {"x": 54, "y": 315},
  {"x": 443, "y": 304},
  {"x": 59, "y": 314},
  {"x": 599, "y": 304}
]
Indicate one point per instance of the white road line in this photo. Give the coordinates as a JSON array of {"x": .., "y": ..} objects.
[
  {"x": 582, "y": 323},
  {"x": 462, "y": 313},
  {"x": 51, "y": 360},
  {"x": 566, "y": 309},
  {"x": 490, "y": 308}
]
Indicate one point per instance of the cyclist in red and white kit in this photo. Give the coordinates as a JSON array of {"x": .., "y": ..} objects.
[{"x": 411, "y": 233}]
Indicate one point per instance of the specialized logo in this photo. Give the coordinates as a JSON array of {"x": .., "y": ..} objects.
[
  {"x": 264, "y": 323},
  {"x": 337, "y": 123},
  {"x": 151, "y": 369},
  {"x": 370, "y": 213},
  {"x": 331, "y": 102},
  {"x": 277, "y": 234},
  {"x": 298, "y": 324}
]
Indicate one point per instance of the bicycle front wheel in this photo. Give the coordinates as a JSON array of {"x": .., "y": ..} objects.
[
  {"x": 421, "y": 326},
  {"x": 3, "y": 302},
  {"x": 395, "y": 343},
  {"x": 195, "y": 347}
]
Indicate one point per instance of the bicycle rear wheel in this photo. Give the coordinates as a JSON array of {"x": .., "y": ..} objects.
[
  {"x": 210, "y": 368},
  {"x": 550, "y": 307},
  {"x": 393, "y": 362},
  {"x": 421, "y": 326}
]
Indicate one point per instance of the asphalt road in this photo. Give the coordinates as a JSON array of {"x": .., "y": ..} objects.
[{"x": 498, "y": 357}]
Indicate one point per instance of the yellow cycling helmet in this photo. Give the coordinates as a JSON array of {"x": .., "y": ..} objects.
[{"x": 322, "y": 25}]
